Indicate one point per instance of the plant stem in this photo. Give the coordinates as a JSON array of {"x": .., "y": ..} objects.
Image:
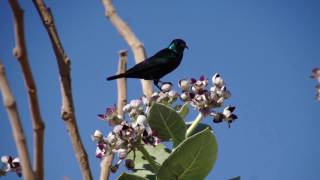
[
  {"x": 194, "y": 124},
  {"x": 146, "y": 155}
]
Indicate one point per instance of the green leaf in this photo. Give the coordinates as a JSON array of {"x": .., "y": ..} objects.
[
  {"x": 125, "y": 176},
  {"x": 192, "y": 159},
  {"x": 235, "y": 178},
  {"x": 199, "y": 128},
  {"x": 142, "y": 168},
  {"x": 184, "y": 110},
  {"x": 167, "y": 123}
]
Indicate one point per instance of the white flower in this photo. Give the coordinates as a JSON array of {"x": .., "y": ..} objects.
[
  {"x": 184, "y": 84},
  {"x": 97, "y": 136},
  {"x": 5, "y": 159},
  {"x": 127, "y": 108},
  {"x": 173, "y": 94},
  {"x": 141, "y": 119},
  {"x": 166, "y": 87},
  {"x": 217, "y": 80},
  {"x": 122, "y": 153},
  {"x": 135, "y": 103}
]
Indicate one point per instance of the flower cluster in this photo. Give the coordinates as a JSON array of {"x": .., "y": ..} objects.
[
  {"x": 204, "y": 100},
  {"x": 134, "y": 109},
  {"x": 10, "y": 164},
  {"x": 130, "y": 136},
  {"x": 124, "y": 138},
  {"x": 166, "y": 95},
  {"x": 316, "y": 75}
]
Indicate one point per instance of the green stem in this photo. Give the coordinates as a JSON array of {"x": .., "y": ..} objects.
[
  {"x": 194, "y": 124},
  {"x": 146, "y": 155}
]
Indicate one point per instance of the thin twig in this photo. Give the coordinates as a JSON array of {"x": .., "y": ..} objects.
[
  {"x": 134, "y": 43},
  {"x": 20, "y": 52},
  {"x": 17, "y": 129},
  {"x": 68, "y": 112},
  {"x": 122, "y": 100}
]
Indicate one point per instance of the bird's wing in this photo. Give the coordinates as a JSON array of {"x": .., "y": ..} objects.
[{"x": 159, "y": 60}]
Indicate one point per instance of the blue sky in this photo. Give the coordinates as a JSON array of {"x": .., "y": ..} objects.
[{"x": 265, "y": 51}]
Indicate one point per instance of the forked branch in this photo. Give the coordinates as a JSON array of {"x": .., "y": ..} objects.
[
  {"x": 122, "y": 100},
  {"x": 128, "y": 35}
]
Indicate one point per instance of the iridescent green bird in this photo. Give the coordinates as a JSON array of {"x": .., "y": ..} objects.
[{"x": 158, "y": 65}]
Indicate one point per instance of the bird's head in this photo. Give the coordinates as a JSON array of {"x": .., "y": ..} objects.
[{"x": 178, "y": 45}]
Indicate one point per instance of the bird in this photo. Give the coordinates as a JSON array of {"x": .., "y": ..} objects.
[{"x": 158, "y": 65}]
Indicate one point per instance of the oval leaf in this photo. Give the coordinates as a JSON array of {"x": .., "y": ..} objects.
[
  {"x": 126, "y": 176},
  {"x": 192, "y": 159},
  {"x": 142, "y": 167},
  {"x": 167, "y": 123}
]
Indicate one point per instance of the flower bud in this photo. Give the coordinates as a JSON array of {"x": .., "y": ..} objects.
[
  {"x": 166, "y": 87},
  {"x": 129, "y": 164},
  {"x": 122, "y": 153},
  {"x": 16, "y": 160},
  {"x": 5, "y": 159},
  {"x": 184, "y": 84},
  {"x": 111, "y": 138},
  {"x": 133, "y": 113},
  {"x": 135, "y": 103},
  {"x": 173, "y": 94},
  {"x": 127, "y": 108},
  {"x": 97, "y": 136},
  {"x": 217, "y": 80},
  {"x": 145, "y": 100},
  {"x": 141, "y": 119}
]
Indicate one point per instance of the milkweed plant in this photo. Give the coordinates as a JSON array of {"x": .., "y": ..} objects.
[{"x": 138, "y": 137}]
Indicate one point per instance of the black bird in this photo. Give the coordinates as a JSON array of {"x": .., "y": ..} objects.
[{"x": 158, "y": 65}]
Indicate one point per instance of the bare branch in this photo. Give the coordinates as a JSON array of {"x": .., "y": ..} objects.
[
  {"x": 10, "y": 104},
  {"x": 20, "y": 51},
  {"x": 68, "y": 112},
  {"x": 122, "y": 100},
  {"x": 126, "y": 32}
]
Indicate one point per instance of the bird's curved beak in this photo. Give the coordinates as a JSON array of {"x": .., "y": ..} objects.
[{"x": 187, "y": 47}]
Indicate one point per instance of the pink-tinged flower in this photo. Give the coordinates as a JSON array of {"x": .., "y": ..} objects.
[
  {"x": 11, "y": 165},
  {"x": 101, "y": 150},
  {"x": 316, "y": 74},
  {"x": 227, "y": 115},
  {"x": 111, "y": 116}
]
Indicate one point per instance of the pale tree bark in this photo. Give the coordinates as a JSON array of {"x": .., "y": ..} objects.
[
  {"x": 20, "y": 52},
  {"x": 16, "y": 126},
  {"x": 134, "y": 43},
  {"x": 122, "y": 100},
  {"x": 67, "y": 110}
]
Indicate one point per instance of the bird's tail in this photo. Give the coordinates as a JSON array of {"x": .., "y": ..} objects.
[{"x": 116, "y": 76}]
